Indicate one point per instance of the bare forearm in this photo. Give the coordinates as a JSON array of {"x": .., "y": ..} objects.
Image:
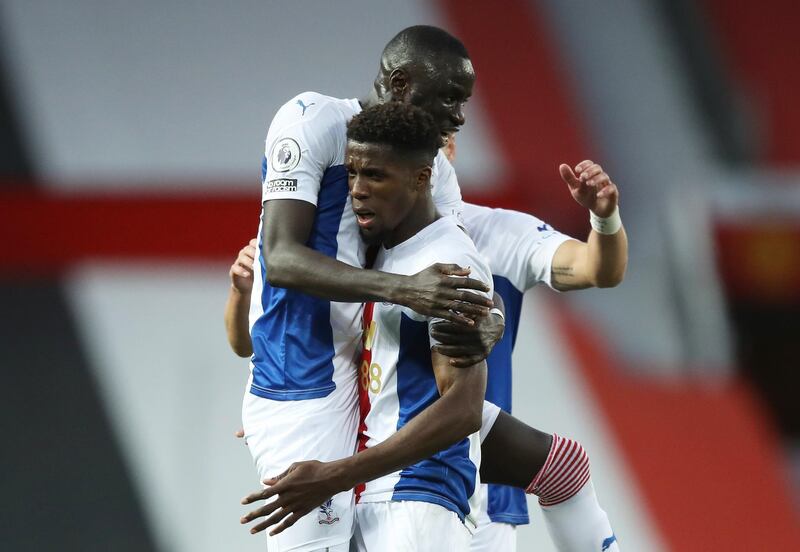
[
  {"x": 236, "y": 322},
  {"x": 454, "y": 416},
  {"x": 301, "y": 268},
  {"x": 599, "y": 262},
  {"x": 606, "y": 258},
  {"x": 451, "y": 418},
  {"x": 291, "y": 263}
]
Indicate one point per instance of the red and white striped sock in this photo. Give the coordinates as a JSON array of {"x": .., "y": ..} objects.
[
  {"x": 564, "y": 473},
  {"x": 574, "y": 518}
]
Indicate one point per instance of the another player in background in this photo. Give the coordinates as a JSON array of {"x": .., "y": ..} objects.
[
  {"x": 309, "y": 282},
  {"x": 524, "y": 251}
]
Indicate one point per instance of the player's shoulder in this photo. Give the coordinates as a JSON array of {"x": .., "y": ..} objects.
[
  {"x": 479, "y": 217},
  {"x": 312, "y": 109},
  {"x": 441, "y": 241},
  {"x": 501, "y": 229},
  {"x": 451, "y": 244},
  {"x": 314, "y": 104},
  {"x": 518, "y": 246},
  {"x": 311, "y": 122},
  {"x": 475, "y": 215},
  {"x": 450, "y": 233}
]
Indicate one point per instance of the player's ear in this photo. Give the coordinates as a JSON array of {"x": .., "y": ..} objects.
[
  {"x": 398, "y": 84},
  {"x": 423, "y": 178}
]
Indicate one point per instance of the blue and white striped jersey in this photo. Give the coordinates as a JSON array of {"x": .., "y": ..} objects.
[
  {"x": 304, "y": 346},
  {"x": 397, "y": 380},
  {"x": 519, "y": 249}
]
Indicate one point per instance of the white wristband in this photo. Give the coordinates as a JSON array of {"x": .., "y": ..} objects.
[
  {"x": 606, "y": 225},
  {"x": 497, "y": 311}
]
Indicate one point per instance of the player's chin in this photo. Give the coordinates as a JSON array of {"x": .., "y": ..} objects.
[{"x": 369, "y": 235}]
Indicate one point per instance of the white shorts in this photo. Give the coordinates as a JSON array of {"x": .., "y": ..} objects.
[
  {"x": 408, "y": 526},
  {"x": 494, "y": 537},
  {"x": 279, "y": 433}
]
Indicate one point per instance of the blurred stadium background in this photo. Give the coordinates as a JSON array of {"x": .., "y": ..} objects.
[{"x": 130, "y": 149}]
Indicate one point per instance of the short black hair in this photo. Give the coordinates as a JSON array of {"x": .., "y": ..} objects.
[
  {"x": 401, "y": 126},
  {"x": 421, "y": 42}
]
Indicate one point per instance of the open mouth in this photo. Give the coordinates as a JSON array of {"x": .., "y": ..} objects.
[{"x": 364, "y": 217}]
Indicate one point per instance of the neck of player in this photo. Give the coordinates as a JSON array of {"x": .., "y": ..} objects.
[{"x": 421, "y": 215}]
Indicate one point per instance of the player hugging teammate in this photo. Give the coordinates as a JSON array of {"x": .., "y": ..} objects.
[{"x": 421, "y": 395}]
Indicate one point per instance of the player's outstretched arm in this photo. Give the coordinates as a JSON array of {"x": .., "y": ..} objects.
[
  {"x": 435, "y": 292},
  {"x": 602, "y": 260},
  {"x": 238, "y": 304},
  {"x": 305, "y": 485}
]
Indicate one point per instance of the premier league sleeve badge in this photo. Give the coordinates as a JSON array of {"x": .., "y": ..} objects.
[{"x": 285, "y": 155}]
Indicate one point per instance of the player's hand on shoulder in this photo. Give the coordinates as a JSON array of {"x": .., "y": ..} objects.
[
  {"x": 443, "y": 291},
  {"x": 299, "y": 490},
  {"x": 591, "y": 187},
  {"x": 241, "y": 271},
  {"x": 468, "y": 345}
]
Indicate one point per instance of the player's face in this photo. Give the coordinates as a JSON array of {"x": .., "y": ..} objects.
[
  {"x": 383, "y": 189},
  {"x": 443, "y": 92}
]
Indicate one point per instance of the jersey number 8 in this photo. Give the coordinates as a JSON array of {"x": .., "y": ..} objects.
[{"x": 371, "y": 376}]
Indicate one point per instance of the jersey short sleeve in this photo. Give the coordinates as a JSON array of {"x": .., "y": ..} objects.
[
  {"x": 479, "y": 271},
  {"x": 445, "y": 242},
  {"x": 460, "y": 250},
  {"x": 541, "y": 251},
  {"x": 304, "y": 139},
  {"x": 518, "y": 246},
  {"x": 445, "y": 191}
]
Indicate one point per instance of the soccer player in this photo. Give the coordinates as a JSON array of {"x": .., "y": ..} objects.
[
  {"x": 309, "y": 284},
  {"x": 524, "y": 251},
  {"x": 390, "y": 153},
  {"x": 401, "y": 79}
]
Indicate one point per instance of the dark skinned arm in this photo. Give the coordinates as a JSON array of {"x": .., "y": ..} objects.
[
  {"x": 305, "y": 485},
  {"x": 439, "y": 291},
  {"x": 466, "y": 347},
  {"x": 484, "y": 335}
]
